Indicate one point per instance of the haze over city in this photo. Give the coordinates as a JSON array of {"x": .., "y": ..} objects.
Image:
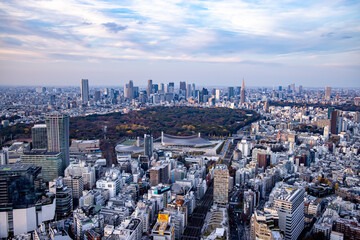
[{"x": 55, "y": 43}]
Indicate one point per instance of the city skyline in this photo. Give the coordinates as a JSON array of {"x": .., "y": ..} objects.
[{"x": 52, "y": 43}]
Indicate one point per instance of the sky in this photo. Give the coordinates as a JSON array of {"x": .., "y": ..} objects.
[{"x": 218, "y": 43}]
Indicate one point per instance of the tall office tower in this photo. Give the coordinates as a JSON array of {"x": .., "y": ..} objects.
[
  {"x": 292, "y": 87},
  {"x": 327, "y": 93},
  {"x": 57, "y": 127},
  {"x": 333, "y": 122},
  {"x": 300, "y": 89},
  {"x": 156, "y": 88},
  {"x": 97, "y": 96},
  {"x": 148, "y": 145},
  {"x": 242, "y": 93},
  {"x": 217, "y": 95},
  {"x": 142, "y": 97},
  {"x": 188, "y": 91},
  {"x": 136, "y": 92},
  {"x": 280, "y": 88},
  {"x": 126, "y": 86},
  {"x": 221, "y": 184},
  {"x": 171, "y": 87},
  {"x": 106, "y": 92},
  {"x": 39, "y": 136},
  {"x": 183, "y": 86},
  {"x": 193, "y": 90},
  {"x": 113, "y": 96},
  {"x": 231, "y": 92},
  {"x": 149, "y": 89},
  {"x": 129, "y": 91},
  {"x": 162, "y": 87},
  {"x": 84, "y": 90},
  {"x": 289, "y": 203}
]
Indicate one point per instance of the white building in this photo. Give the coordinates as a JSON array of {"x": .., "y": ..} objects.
[
  {"x": 289, "y": 203},
  {"x": 81, "y": 169},
  {"x": 111, "y": 181}
]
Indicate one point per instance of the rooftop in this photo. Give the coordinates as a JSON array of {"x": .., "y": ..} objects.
[
  {"x": 39, "y": 126},
  {"x": 16, "y": 167},
  {"x": 194, "y": 140}
]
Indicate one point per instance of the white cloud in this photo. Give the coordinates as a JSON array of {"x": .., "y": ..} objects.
[{"x": 181, "y": 30}]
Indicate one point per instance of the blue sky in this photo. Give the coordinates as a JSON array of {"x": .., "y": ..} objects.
[{"x": 270, "y": 43}]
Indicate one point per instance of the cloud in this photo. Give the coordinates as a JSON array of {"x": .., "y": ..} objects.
[
  {"x": 113, "y": 27},
  {"x": 251, "y": 32},
  {"x": 12, "y": 41}
]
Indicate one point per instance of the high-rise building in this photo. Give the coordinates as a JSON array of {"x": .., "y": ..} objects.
[
  {"x": 106, "y": 92},
  {"x": 85, "y": 90},
  {"x": 50, "y": 162},
  {"x": 39, "y": 136},
  {"x": 333, "y": 122},
  {"x": 159, "y": 174},
  {"x": 217, "y": 95},
  {"x": 327, "y": 93},
  {"x": 97, "y": 96},
  {"x": 263, "y": 160},
  {"x": 155, "y": 88},
  {"x": 292, "y": 87},
  {"x": 231, "y": 92},
  {"x": 300, "y": 89},
  {"x": 289, "y": 203},
  {"x": 193, "y": 90},
  {"x": 188, "y": 91},
  {"x": 57, "y": 127},
  {"x": 129, "y": 91},
  {"x": 17, "y": 185},
  {"x": 221, "y": 184},
  {"x": 20, "y": 209},
  {"x": 149, "y": 89},
  {"x": 183, "y": 87},
  {"x": 242, "y": 93},
  {"x": 148, "y": 145},
  {"x": 171, "y": 87}
]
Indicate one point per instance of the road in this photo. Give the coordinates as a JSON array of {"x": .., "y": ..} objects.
[{"x": 197, "y": 218}]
